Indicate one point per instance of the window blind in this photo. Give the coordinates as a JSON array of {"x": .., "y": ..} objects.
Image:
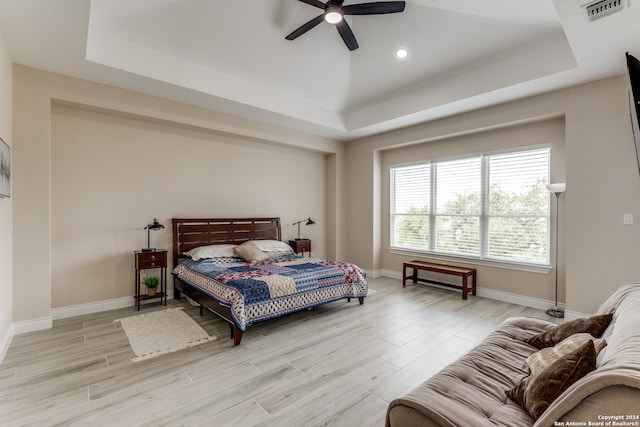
[
  {"x": 487, "y": 206},
  {"x": 410, "y": 206}
]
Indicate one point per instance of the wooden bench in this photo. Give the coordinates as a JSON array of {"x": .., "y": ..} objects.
[{"x": 463, "y": 272}]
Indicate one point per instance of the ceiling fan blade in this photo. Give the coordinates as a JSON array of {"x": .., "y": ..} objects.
[
  {"x": 376, "y": 8},
  {"x": 315, "y": 3},
  {"x": 347, "y": 35},
  {"x": 305, "y": 27}
]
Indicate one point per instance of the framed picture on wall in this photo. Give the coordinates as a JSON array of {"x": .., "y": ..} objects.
[{"x": 5, "y": 169}]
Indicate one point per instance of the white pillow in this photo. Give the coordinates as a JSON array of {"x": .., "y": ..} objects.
[
  {"x": 272, "y": 246},
  {"x": 212, "y": 251}
]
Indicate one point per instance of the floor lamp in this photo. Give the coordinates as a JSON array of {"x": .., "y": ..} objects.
[{"x": 556, "y": 189}]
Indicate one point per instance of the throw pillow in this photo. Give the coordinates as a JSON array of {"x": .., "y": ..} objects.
[
  {"x": 541, "y": 359},
  {"x": 537, "y": 392},
  {"x": 250, "y": 252},
  {"x": 595, "y": 325}
]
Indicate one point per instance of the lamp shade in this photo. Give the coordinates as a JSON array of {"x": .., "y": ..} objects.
[
  {"x": 557, "y": 188},
  {"x": 155, "y": 225}
]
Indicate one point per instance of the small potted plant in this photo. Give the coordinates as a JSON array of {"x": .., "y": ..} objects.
[{"x": 151, "y": 283}]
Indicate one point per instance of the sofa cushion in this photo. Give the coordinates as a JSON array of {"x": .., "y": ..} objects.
[
  {"x": 536, "y": 392},
  {"x": 595, "y": 325},
  {"x": 471, "y": 391}
]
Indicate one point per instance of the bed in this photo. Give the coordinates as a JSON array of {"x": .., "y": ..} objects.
[{"x": 265, "y": 281}]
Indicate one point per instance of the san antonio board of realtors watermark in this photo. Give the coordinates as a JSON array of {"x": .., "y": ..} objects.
[{"x": 604, "y": 421}]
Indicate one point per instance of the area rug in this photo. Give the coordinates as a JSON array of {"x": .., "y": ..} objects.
[{"x": 162, "y": 332}]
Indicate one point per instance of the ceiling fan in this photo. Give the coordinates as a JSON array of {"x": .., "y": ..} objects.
[{"x": 334, "y": 13}]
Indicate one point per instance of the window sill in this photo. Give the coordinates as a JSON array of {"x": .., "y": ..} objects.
[{"x": 530, "y": 268}]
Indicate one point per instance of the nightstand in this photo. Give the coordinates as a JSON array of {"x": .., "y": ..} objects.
[
  {"x": 148, "y": 260},
  {"x": 301, "y": 245}
]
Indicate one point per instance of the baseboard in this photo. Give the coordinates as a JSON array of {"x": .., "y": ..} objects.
[
  {"x": 509, "y": 297},
  {"x": 512, "y": 298},
  {"x": 97, "y": 307},
  {"x": 391, "y": 274},
  {"x": 27, "y": 326},
  {"x": 6, "y": 342},
  {"x": 90, "y": 308},
  {"x": 374, "y": 274},
  {"x": 24, "y": 327}
]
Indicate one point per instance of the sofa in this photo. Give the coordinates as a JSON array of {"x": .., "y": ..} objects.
[{"x": 475, "y": 389}]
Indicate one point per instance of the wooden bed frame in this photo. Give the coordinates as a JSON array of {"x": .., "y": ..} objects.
[{"x": 189, "y": 233}]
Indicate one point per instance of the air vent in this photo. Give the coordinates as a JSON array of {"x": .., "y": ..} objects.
[{"x": 603, "y": 8}]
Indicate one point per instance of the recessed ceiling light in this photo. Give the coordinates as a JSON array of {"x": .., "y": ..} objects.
[
  {"x": 333, "y": 17},
  {"x": 402, "y": 53}
]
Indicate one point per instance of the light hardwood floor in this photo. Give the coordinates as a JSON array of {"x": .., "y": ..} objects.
[{"x": 339, "y": 364}]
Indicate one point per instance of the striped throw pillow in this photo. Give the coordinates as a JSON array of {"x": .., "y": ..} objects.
[{"x": 541, "y": 359}]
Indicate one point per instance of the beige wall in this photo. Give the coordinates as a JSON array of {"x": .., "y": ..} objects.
[
  {"x": 335, "y": 217},
  {"x": 97, "y": 164},
  {"x": 598, "y": 164},
  {"x": 112, "y": 175},
  {"x": 60, "y": 124},
  {"x": 6, "y": 203}
]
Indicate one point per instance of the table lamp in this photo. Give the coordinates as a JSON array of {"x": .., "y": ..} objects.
[
  {"x": 309, "y": 222},
  {"x": 155, "y": 225}
]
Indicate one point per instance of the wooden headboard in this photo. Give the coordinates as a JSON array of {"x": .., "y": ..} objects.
[{"x": 189, "y": 233}]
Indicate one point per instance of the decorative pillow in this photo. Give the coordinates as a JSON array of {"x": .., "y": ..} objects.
[
  {"x": 536, "y": 392},
  {"x": 272, "y": 246},
  {"x": 212, "y": 251},
  {"x": 595, "y": 325},
  {"x": 250, "y": 252},
  {"x": 541, "y": 359}
]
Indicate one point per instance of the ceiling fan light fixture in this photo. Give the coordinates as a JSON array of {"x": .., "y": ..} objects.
[
  {"x": 402, "y": 53},
  {"x": 333, "y": 17},
  {"x": 334, "y": 12}
]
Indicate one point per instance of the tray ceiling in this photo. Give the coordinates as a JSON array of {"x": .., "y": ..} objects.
[{"x": 232, "y": 55}]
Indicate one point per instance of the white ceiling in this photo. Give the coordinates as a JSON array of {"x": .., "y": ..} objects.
[{"x": 232, "y": 55}]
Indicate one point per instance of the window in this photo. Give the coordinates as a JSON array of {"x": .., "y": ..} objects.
[{"x": 491, "y": 206}]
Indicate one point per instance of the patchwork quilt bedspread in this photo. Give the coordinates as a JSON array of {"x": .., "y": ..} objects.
[{"x": 277, "y": 286}]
